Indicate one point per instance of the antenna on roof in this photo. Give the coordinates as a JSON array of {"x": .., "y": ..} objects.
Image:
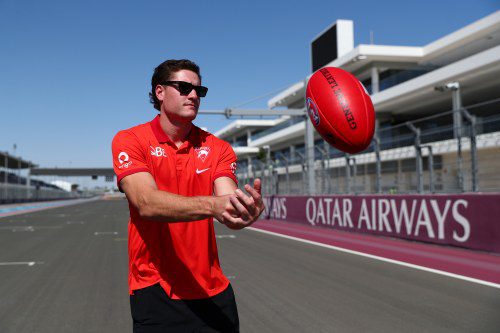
[{"x": 371, "y": 37}]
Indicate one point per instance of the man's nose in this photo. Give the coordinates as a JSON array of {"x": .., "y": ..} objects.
[{"x": 193, "y": 94}]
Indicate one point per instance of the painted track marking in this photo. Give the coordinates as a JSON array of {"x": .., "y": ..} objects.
[
  {"x": 98, "y": 233},
  {"x": 371, "y": 256},
  {"x": 15, "y": 263}
]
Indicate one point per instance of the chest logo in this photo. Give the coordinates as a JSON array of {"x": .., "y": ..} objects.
[
  {"x": 201, "y": 171},
  {"x": 202, "y": 153},
  {"x": 157, "y": 151}
]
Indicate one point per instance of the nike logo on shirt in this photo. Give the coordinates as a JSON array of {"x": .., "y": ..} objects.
[{"x": 201, "y": 171}]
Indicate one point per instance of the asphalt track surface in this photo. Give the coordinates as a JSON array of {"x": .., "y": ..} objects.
[{"x": 65, "y": 270}]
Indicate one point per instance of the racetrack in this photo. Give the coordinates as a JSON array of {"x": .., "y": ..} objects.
[{"x": 65, "y": 270}]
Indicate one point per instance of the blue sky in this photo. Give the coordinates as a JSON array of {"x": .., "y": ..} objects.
[{"x": 73, "y": 73}]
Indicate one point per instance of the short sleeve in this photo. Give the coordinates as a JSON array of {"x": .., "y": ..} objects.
[
  {"x": 226, "y": 165},
  {"x": 128, "y": 155}
]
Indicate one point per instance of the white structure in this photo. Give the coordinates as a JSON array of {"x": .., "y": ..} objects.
[
  {"x": 405, "y": 83},
  {"x": 62, "y": 184}
]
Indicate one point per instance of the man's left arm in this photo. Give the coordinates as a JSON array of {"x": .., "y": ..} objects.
[
  {"x": 249, "y": 206},
  {"x": 224, "y": 186}
]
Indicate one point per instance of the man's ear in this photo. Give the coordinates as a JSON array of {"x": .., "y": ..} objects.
[{"x": 160, "y": 92}]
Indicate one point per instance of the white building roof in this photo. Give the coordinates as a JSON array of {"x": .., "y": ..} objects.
[
  {"x": 461, "y": 44},
  {"x": 242, "y": 125}
]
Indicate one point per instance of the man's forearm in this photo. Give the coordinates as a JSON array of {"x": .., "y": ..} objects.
[{"x": 168, "y": 207}]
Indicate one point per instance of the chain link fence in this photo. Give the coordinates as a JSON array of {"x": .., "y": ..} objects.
[{"x": 451, "y": 152}]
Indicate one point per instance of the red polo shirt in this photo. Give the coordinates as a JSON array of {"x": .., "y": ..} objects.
[{"x": 181, "y": 256}]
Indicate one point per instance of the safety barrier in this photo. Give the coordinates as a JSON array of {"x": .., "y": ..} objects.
[
  {"x": 466, "y": 220},
  {"x": 10, "y": 193}
]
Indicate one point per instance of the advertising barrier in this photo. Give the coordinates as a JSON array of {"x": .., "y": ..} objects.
[{"x": 466, "y": 220}]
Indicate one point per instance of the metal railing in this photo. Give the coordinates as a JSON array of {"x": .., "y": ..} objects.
[
  {"x": 10, "y": 193},
  {"x": 427, "y": 155},
  {"x": 280, "y": 126}
]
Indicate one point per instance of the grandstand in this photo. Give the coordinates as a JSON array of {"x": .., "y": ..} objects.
[
  {"x": 438, "y": 127},
  {"x": 17, "y": 188}
]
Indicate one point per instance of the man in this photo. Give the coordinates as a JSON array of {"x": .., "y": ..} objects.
[{"x": 177, "y": 178}]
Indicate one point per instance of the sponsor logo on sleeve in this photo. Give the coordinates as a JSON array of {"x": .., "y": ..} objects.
[
  {"x": 233, "y": 167},
  {"x": 123, "y": 159}
]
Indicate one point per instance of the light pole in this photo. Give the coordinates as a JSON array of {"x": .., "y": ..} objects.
[{"x": 456, "y": 101}]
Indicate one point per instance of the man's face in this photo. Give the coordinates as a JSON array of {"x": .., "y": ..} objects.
[{"x": 184, "y": 108}]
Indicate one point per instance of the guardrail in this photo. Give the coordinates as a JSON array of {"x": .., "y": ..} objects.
[
  {"x": 427, "y": 155},
  {"x": 21, "y": 193},
  {"x": 465, "y": 220}
]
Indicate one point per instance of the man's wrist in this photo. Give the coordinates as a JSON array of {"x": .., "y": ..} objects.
[{"x": 207, "y": 205}]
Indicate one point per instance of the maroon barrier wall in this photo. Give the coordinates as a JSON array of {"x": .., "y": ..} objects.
[{"x": 465, "y": 220}]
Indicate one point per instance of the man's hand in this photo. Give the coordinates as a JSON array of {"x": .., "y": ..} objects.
[
  {"x": 247, "y": 207},
  {"x": 221, "y": 205}
]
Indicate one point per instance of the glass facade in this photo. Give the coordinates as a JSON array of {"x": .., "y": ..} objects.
[
  {"x": 392, "y": 77},
  {"x": 285, "y": 124}
]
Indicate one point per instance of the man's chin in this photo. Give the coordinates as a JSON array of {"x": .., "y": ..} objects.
[
  {"x": 189, "y": 115},
  {"x": 185, "y": 115},
  {"x": 194, "y": 112}
]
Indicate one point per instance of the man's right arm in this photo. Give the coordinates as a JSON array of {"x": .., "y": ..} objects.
[{"x": 153, "y": 204}]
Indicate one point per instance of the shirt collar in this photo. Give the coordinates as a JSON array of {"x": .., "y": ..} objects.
[
  {"x": 158, "y": 131},
  {"x": 192, "y": 139}
]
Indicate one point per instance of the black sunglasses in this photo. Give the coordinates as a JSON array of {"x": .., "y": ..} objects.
[{"x": 185, "y": 88}]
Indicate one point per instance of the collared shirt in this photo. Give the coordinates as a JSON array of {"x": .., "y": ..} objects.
[{"x": 181, "y": 256}]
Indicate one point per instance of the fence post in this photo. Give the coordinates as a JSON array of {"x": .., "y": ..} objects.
[
  {"x": 355, "y": 174},
  {"x": 473, "y": 148},
  {"x": 378, "y": 168},
  {"x": 430, "y": 162},
  {"x": 269, "y": 169},
  {"x": 457, "y": 126},
  {"x": 287, "y": 176},
  {"x": 303, "y": 167},
  {"x": 324, "y": 176},
  {"x": 328, "y": 177},
  {"x": 456, "y": 101},
  {"x": 282, "y": 157},
  {"x": 276, "y": 182},
  {"x": 249, "y": 169},
  {"x": 309, "y": 150},
  {"x": 348, "y": 173},
  {"x": 418, "y": 156}
]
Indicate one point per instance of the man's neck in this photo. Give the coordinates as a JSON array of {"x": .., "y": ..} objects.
[{"x": 177, "y": 131}]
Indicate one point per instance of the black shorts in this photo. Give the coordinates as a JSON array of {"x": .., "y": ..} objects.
[{"x": 153, "y": 311}]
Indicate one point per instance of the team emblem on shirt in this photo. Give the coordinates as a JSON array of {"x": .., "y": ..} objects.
[
  {"x": 202, "y": 153},
  {"x": 123, "y": 159},
  {"x": 233, "y": 167}
]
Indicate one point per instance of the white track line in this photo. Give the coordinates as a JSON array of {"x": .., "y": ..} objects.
[
  {"x": 29, "y": 263},
  {"x": 97, "y": 233},
  {"x": 397, "y": 262}
]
